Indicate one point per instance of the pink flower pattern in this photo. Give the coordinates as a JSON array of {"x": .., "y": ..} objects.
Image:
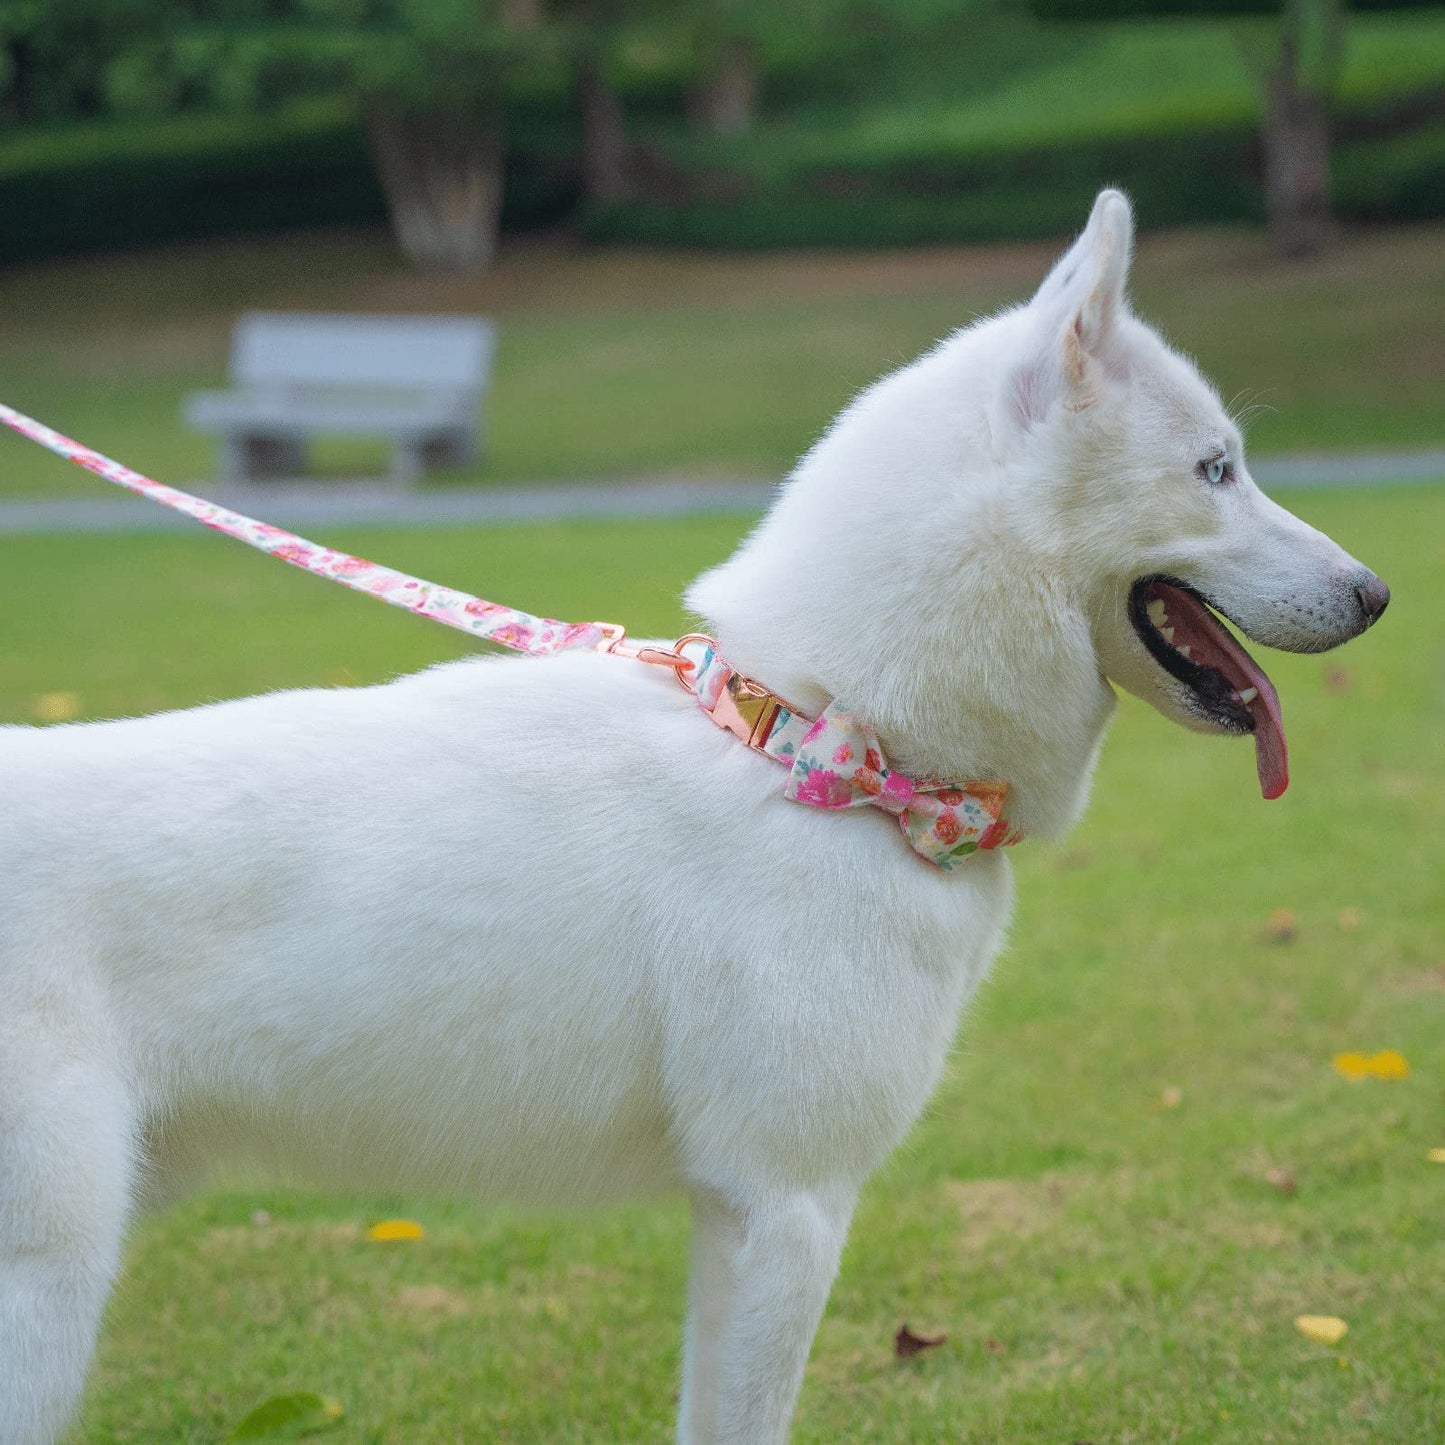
[{"x": 944, "y": 822}]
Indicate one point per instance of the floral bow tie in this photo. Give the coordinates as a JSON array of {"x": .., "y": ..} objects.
[
  {"x": 838, "y": 764},
  {"x": 835, "y": 763}
]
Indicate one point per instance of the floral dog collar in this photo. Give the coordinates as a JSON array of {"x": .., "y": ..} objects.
[{"x": 833, "y": 761}]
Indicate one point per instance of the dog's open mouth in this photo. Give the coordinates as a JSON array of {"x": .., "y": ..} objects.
[{"x": 1228, "y": 687}]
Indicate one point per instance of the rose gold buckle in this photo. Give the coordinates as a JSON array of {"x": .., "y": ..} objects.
[{"x": 746, "y": 709}]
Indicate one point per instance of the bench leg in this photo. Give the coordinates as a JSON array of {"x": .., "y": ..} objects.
[
  {"x": 414, "y": 457},
  {"x": 275, "y": 456},
  {"x": 246, "y": 457},
  {"x": 451, "y": 449}
]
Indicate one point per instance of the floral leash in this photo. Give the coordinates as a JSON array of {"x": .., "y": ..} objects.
[{"x": 834, "y": 762}]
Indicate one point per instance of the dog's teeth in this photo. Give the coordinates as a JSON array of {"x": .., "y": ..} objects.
[
  {"x": 1158, "y": 614},
  {"x": 1249, "y": 694},
  {"x": 1167, "y": 633},
  {"x": 1183, "y": 651}
]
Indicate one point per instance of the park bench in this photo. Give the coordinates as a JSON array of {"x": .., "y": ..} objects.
[{"x": 415, "y": 380}]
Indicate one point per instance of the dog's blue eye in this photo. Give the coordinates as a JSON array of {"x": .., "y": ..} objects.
[{"x": 1215, "y": 470}]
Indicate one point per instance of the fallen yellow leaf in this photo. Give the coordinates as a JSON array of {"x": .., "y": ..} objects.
[
  {"x": 54, "y": 707},
  {"x": 1322, "y": 1329},
  {"x": 394, "y": 1229},
  {"x": 1390, "y": 1064},
  {"x": 1435, "y": 1156},
  {"x": 1387, "y": 1064}
]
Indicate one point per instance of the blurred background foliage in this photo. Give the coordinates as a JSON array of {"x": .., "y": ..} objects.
[{"x": 718, "y": 123}]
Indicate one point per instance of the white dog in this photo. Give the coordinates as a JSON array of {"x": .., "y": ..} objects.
[{"x": 534, "y": 930}]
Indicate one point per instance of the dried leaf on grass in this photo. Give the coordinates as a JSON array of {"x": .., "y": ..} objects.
[
  {"x": 1280, "y": 1178},
  {"x": 1322, "y": 1329},
  {"x": 1387, "y": 1064},
  {"x": 906, "y": 1344},
  {"x": 1281, "y": 927},
  {"x": 389, "y": 1231},
  {"x": 289, "y": 1417}
]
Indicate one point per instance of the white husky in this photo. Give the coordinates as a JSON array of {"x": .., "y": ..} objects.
[{"x": 536, "y": 930}]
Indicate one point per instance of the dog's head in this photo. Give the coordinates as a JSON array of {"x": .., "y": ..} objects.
[
  {"x": 1152, "y": 510},
  {"x": 1048, "y": 498}
]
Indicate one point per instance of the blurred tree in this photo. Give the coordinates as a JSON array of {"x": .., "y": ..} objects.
[
  {"x": 726, "y": 44},
  {"x": 1297, "y": 71},
  {"x": 607, "y": 162},
  {"x": 56, "y": 55},
  {"x": 729, "y": 42},
  {"x": 430, "y": 79},
  {"x": 1294, "y": 49}
]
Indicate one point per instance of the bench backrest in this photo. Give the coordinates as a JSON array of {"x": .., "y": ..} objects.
[{"x": 421, "y": 353}]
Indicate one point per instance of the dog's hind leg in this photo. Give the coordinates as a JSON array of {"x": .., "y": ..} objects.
[
  {"x": 761, "y": 1273},
  {"x": 65, "y": 1170}
]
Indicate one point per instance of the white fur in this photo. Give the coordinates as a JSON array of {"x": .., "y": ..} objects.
[{"x": 535, "y": 930}]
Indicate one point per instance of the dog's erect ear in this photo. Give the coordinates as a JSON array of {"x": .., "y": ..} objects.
[
  {"x": 1094, "y": 308},
  {"x": 1077, "y": 310}
]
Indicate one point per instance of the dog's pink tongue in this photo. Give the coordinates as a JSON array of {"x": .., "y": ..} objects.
[
  {"x": 1214, "y": 645},
  {"x": 1271, "y": 754}
]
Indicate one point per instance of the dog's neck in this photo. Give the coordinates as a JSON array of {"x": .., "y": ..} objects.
[{"x": 967, "y": 659}]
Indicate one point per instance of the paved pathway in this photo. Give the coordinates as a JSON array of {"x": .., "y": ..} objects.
[{"x": 348, "y": 504}]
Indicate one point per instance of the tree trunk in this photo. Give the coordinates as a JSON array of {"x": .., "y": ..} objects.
[
  {"x": 1296, "y": 157},
  {"x": 443, "y": 183},
  {"x": 606, "y": 153},
  {"x": 18, "y": 101},
  {"x": 522, "y": 14},
  {"x": 726, "y": 101}
]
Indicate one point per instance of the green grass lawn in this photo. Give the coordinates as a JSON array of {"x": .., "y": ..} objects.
[
  {"x": 1108, "y": 1258},
  {"x": 634, "y": 364}
]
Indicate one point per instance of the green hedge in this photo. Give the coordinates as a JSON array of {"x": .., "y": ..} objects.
[
  {"x": 111, "y": 187},
  {"x": 987, "y": 196},
  {"x": 1191, "y": 179},
  {"x": 1399, "y": 179},
  {"x": 100, "y": 188},
  {"x": 81, "y": 189}
]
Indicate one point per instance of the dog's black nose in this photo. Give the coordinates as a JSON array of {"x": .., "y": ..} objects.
[{"x": 1374, "y": 598}]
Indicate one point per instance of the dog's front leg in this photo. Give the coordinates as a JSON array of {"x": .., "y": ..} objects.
[
  {"x": 65, "y": 1170},
  {"x": 761, "y": 1272}
]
